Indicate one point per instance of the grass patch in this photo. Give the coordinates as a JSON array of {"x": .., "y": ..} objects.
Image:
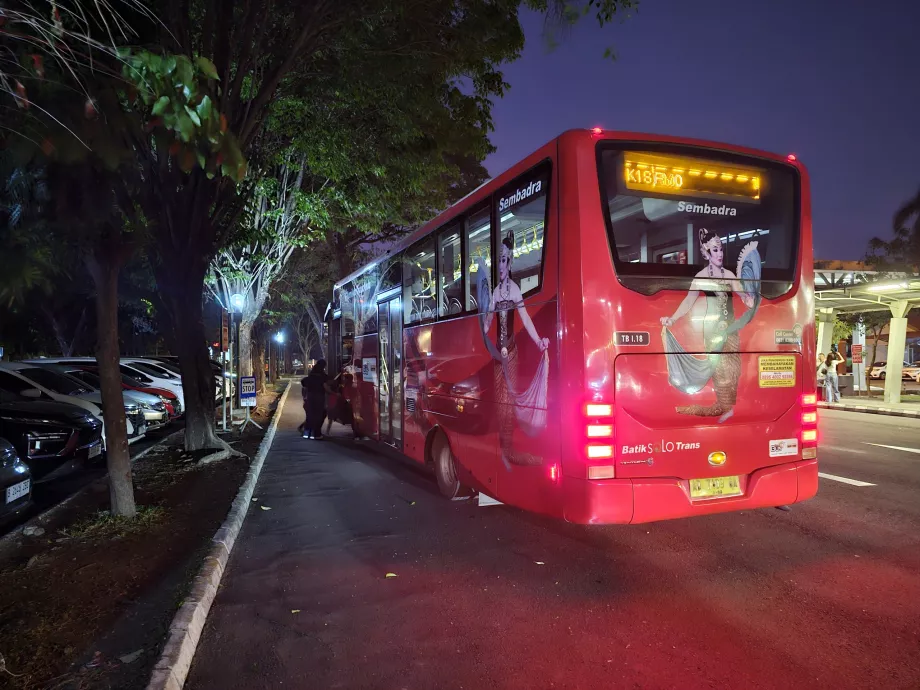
[{"x": 104, "y": 525}]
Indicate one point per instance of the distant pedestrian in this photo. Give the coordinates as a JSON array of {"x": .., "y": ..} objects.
[
  {"x": 315, "y": 386},
  {"x": 828, "y": 370}
]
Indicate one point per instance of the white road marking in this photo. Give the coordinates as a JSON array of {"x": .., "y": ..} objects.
[
  {"x": 844, "y": 480},
  {"x": 882, "y": 445},
  {"x": 842, "y": 449}
]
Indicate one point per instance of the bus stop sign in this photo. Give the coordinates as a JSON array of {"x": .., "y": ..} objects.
[
  {"x": 856, "y": 352},
  {"x": 248, "y": 391}
]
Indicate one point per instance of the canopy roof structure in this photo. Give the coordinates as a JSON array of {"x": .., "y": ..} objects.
[{"x": 851, "y": 288}]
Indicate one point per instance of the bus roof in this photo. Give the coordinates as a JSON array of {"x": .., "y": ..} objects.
[{"x": 529, "y": 161}]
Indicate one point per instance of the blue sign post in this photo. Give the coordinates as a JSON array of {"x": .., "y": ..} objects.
[
  {"x": 248, "y": 398},
  {"x": 247, "y": 391}
]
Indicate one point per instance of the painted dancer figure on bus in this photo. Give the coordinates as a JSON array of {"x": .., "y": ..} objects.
[
  {"x": 721, "y": 330},
  {"x": 525, "y": 403}
]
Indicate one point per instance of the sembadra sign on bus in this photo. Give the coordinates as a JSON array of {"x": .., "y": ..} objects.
[{"x": 248, "y": 391}]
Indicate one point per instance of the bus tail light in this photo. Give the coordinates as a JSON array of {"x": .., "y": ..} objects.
[
  {"x": 600, "y": 430},
  {"x": 600, "y": 472},
  {"x": 809, "y": 426},
  {"x": 554, "y": 473},
  {"x": 600, "y": 452},
  {"x": 598, "y": 410}
]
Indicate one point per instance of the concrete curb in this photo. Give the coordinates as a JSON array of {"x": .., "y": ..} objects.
[
  {"x": 187, "y": 625},
  {"x": 890, "y": 411},
  {"x": 50, "y": 512}
]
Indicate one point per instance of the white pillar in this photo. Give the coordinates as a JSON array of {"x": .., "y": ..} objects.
[
  {"x": 825, "y": 319},
  {"x": 897, "y": 338},
  {"x": 859, "y": 370},
  {"x": 643, "y": 248},
  {"x": 691, "y": 244}
]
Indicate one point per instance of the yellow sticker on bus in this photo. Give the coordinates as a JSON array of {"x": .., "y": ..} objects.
[{"x": 776, "y": 371}]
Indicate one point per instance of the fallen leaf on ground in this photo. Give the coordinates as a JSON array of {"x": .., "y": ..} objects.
[
  {"x": 265, "y": 508},
  {"x": 254, "y": 500},
  {"x": 539, "y": 562},
  {"x": 295, "y": 610},
  {"x": 392, "y": 575},
  {"x": 132, "y": 657}
]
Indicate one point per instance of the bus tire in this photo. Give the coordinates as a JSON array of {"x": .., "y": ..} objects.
[{"x": 445, "y": 467}]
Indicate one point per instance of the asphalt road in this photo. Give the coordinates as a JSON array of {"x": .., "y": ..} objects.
[
  {"x": 826, "y": 595},
  {"x": 46, "y": 495}
]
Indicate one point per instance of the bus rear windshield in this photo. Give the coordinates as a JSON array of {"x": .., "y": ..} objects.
[{"x": 665, "y": 206}]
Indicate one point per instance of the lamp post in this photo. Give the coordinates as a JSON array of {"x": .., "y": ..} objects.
[
  {"x": 279, "y": 338},
  {"x": 237, "y": 304}
]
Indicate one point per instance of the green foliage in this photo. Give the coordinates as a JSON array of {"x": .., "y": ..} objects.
[
  {"x": 902, "y": 251},
  {"x": 174, "y": 92},
  {"x": 842, "y": 330}
]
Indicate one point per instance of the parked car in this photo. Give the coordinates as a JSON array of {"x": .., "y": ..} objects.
[
  {"x": 172, "y": 363},
  {"x": 52, "y": 438},
  {"x": 172, "y": 384},
  {"x": 63, "y": 388},
  {"x": 152, "y": 407},
  {"x": 15, "y": 481},
  {"x": 879, "y": 370},
  {"x": 152, "y": 367},
  {"x": 167, "y": 397}
]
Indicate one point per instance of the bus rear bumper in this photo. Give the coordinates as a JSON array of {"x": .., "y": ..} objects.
[{"x": 633, "y": 501}]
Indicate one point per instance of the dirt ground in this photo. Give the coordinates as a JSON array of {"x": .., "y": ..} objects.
[{"x": 87, "y": 603}]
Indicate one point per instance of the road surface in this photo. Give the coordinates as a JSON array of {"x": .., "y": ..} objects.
[{"x": 826, "y": 595}]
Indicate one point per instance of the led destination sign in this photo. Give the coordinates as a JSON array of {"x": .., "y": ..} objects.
[{"x": 681, "y": 176}]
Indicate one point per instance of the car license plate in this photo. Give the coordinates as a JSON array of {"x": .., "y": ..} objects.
[
  {"x": 95, "y": 450},
  {"x": 17, "y": 490},
  {"x": 715, "y": 487}
]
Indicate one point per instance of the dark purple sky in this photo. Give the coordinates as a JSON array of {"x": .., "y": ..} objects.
[{"x": 835, "y": 82}]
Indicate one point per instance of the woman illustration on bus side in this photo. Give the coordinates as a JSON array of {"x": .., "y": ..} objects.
[
  {"x": 529, "y": 405},
  {"x": 722, "y": 365}
]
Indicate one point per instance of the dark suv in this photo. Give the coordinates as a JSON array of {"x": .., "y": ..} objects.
[{"x": 52, "y": 438}]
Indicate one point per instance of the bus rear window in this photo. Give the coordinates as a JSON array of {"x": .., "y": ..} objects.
[{"x": 660, "y": 203}]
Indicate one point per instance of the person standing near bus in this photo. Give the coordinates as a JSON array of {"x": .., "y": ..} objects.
[
  {"x": 315, "y": 387},
  {"x": 507, "y": 300},
  {"x": 720, "y": 330},
  {"x": 831, "y": 381}
]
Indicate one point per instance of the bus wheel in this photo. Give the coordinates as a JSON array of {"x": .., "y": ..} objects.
[{"x": 445, "y": 468}]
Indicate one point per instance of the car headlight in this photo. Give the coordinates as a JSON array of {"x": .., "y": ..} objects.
[{"x": 19, "y": 467}]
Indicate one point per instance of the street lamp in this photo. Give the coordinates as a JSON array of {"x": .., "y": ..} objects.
[{"x": 279, "y": 338}]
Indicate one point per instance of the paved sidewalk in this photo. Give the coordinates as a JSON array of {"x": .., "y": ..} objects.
[{"x": 874, "y": 406}]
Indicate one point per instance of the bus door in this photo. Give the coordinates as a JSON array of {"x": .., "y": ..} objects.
[{"x": 389, "y": 381}]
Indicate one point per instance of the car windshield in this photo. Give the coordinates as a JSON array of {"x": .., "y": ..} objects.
[
  {"x": 59, "y": 383},
  {"x": 152, "y": 370},
  {"x": 87, "y": 377},
  {"x": 170, "y": 367},
  {"x": 131, "y": 382}
]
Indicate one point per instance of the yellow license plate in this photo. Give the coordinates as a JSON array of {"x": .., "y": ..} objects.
[{"x": 715, "y": 487}]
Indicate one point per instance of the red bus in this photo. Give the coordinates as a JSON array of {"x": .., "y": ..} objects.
[{"x": 618, "y": 329}]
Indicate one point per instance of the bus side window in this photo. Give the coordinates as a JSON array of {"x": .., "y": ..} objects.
[
  {"x": 522, "y": 217},
  {"x": 419, "y": 282},
  {"x": 478, "y": 238},
  {"x": 450, "y": 283}
]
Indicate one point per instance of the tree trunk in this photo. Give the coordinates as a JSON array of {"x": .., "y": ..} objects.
[
  {"x": 288, "y": 359},
  {"x": 181, "y": 292},
  {"x": 272, "y": 361},
  {"x": 258, "y": 363},
  {"x": 121, "y": 486},
  {"x": 245, "y": 345}
]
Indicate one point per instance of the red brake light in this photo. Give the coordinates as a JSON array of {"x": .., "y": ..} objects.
[
  {"x": 600, "y": 430},
  {"x": 597, "y": 131},
  {"x": 554, "y": 472},
  {"x": 597, "y": 410},
  {"x": 810, "y": 418},
  {"x": 791, "y": 158},
  {"x": 809, "y": 435},
  {"x": 810, "y": 399},
  {"x": 598, "y": 452}
]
